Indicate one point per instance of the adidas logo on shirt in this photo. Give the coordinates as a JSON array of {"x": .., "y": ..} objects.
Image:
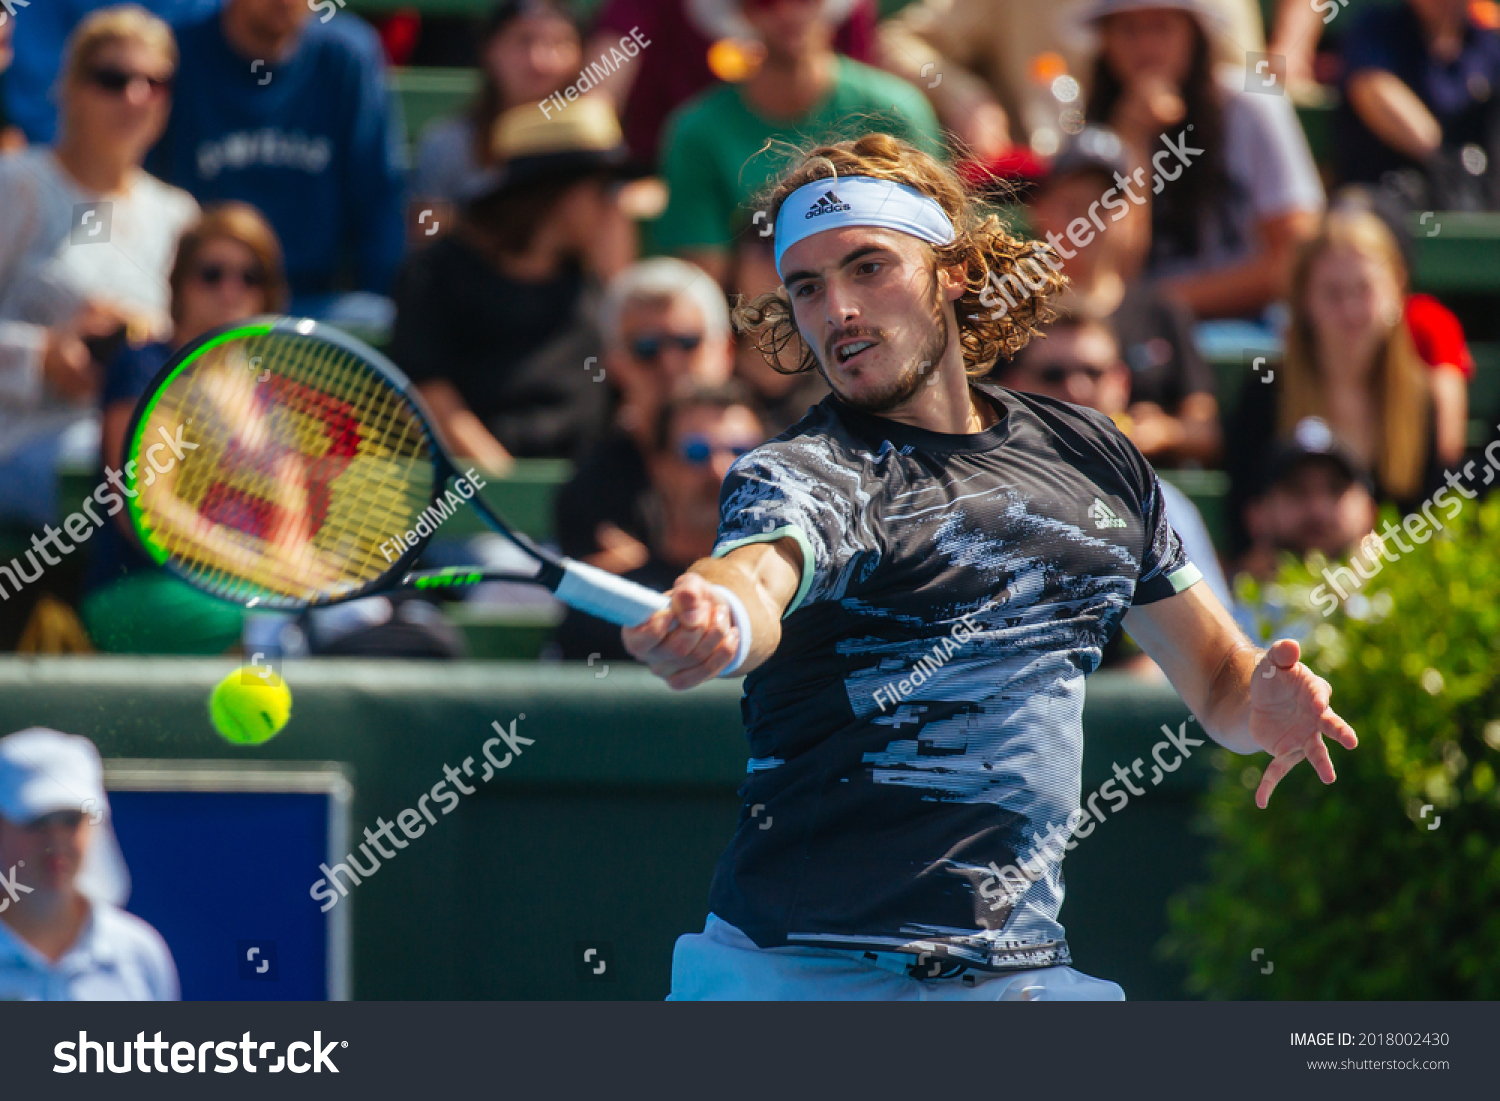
[
  {"x": 1104, "y": 516},
  {"x": 828, "y": 204}
]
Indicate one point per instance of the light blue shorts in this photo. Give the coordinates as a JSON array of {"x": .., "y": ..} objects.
[{"x": 723, "y": 964}]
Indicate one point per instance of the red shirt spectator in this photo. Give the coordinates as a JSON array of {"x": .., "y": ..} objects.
[
  {"x": 1439, "y": 339},
  {"x": 1437, "y": 334}
]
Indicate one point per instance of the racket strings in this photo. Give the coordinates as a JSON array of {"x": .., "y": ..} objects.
[
  {"x": 389, "y": 420},
  {"x": 307, "y": 461}
]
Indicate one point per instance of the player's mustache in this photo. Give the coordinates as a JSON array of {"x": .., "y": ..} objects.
[{"x": 845, "y": 334}]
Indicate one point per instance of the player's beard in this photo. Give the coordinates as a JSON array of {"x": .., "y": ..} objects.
[{"x": 918, "y": 374}]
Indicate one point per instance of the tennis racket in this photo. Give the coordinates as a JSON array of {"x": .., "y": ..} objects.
[{"x": 280, "y": 463}]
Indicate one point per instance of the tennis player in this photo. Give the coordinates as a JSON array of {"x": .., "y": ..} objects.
[{"x": 915, "y": 579}]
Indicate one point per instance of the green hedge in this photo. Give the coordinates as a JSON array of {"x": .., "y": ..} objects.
[{"x": 1349, "y": 891}]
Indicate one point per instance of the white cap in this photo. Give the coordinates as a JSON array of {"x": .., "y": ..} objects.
[{"x": 43, "y": 771}]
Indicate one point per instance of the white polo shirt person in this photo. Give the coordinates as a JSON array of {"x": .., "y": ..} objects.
[{"x": 63, "y": 936}]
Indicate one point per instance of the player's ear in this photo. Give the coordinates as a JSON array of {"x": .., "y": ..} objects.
[{"x": 951, "y": 280}]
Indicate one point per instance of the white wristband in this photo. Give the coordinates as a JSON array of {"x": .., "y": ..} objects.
[{"x": 741, "y": 622}]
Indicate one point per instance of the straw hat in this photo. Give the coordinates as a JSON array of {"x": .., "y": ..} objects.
[{"x": 562, "y": 143}]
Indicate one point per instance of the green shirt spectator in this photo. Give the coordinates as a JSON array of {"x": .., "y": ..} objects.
[{"x": 714, "y": 163}]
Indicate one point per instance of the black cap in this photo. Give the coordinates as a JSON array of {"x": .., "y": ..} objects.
[
  {"x": 507, "y": 12},
  {"x": 1092, "y": 149},
  {"x": 1310, "y": 439}
]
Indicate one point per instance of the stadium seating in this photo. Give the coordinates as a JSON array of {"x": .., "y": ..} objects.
[
  {"x": 1456, "y": 253},
  {"x": 428, "y": 94},
  {"x": 1454, "y": 257}
]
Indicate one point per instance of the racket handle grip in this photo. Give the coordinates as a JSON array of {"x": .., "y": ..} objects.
[{"x": 603, "y": 594}]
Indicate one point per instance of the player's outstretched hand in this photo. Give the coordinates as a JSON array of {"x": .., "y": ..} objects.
[
  {"x": 1289, "y": 716},
  {"x": 691, "y": 640}
]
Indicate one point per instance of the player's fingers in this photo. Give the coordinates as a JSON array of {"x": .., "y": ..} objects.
[
  {"x": 692, "y": 608},
  {"x": 684, "y": 649},
  {"x": 715, "y": 663},
  {"x": 1273, "y": 774},
  {"x": 714, "y": 659},
  {"x": 1321, "y": 691},
  {"x": 692, "y": 602},
  {"x": 678, "y": 645},
  {"x": 642, "y": 639},
  {"x": 720, "y": 623},
  {"x": 1322, "y": 763},
  {"x": 1333, "y": 726},
  {"x": 715, "y": 650},
  {"x": 1284, "y": 653},
  {"x": 653, "y": 642}
]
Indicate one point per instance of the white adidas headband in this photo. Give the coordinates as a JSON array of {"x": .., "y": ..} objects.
[{"x": 836, "y": 202}]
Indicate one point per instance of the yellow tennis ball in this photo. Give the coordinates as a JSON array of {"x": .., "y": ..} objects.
[{"x": 250, "y": 706}]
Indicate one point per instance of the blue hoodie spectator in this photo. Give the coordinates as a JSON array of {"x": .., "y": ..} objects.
[
  {"x": 41, "y": 29},
  {"x": 311, "y": 140}
]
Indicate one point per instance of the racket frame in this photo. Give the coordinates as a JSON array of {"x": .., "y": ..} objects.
[{"x": 550, "y": 571}]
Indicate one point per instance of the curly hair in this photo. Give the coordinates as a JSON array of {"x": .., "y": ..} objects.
[{"x": 990, "y": 256}]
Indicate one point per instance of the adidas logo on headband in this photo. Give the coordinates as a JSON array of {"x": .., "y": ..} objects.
[
  {"x": 828, "y": 204},
  {"x": 858, "y": 201}
]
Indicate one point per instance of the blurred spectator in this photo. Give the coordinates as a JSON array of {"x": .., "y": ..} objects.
[
  {"x": 1435, "y": 330},
  {"x": 528, "y": 49},
  {"x": 1310, "y": 495},
  {"x": 714, "y": 156},
  {"x": 665, "y": 327},
  {"x": 86, "y": 240},
  {"x": 387, "y": 625},
  {"x": 695, "y": 44},
  {"x": 11, "y": 136},
  {"x": 783, "y": 398},
  {"x": 293, "y": 118},
  {"x": 63, "y": 935},
  {"x": 1173, "y": 415},
  {"x": 1439, "y": 340},
  {"x": 698, "y": 436},
  {"x": 1224, "y": 229},
  {"x": 1295, "y": 29},
  {"x": 1078, "y": 361},
  {"x": 1420, "y": 87},
  {"x": 998, "y": 72},
  {"x": 496, "y": 322},
  {"x": 1349, "y": 360},
  {"x": 228, "y": 268},
  {"x": 41, "y": 32}
]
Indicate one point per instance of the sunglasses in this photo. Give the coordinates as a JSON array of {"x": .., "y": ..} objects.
[
  {"x": 211, "y": 275},
  {"x": 700, "y": 450},
  {"x": 648, "y": 348},
  {"x": 116, "y": 81},
  {"x": 68, "y": 819},
  {"x": 1058, "y": 376}
]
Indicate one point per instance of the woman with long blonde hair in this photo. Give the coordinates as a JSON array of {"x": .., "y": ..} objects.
[
  {"x": 86, "y": 240},
  {"x": 1350, "y": 360}
]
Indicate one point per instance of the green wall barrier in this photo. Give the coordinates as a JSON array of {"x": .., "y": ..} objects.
[{"x": 605, "y": 829}]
